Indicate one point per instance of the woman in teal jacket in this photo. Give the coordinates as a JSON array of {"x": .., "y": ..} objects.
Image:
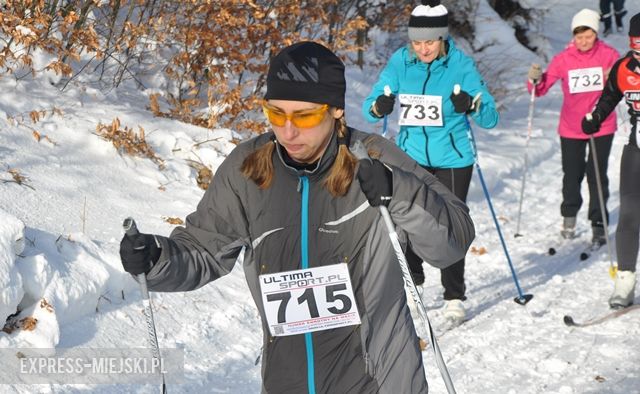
[{"x": 432, "y": 119}]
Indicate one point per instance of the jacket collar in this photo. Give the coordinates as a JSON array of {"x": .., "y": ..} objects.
[
  {"x": 325, "y": 162},
  {"x": 633, "y": 64}
]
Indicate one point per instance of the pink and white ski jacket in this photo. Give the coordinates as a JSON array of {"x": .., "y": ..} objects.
[{"x": 572, "y": 67}]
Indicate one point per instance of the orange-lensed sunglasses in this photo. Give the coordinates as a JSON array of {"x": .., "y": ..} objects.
[{"x": 303, "y": 119}]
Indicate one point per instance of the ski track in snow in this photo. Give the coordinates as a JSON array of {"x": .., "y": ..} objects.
[{"x": 502, "y": 348}]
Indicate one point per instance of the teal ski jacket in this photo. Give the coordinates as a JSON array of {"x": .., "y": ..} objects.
[{"x": 446, "y": 146}]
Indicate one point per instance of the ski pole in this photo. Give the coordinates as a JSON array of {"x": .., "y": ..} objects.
[
  {"x": 361, "y": 153},
  {"x": 131, "y": 230},
  {"x": 387, "y": 92},
  {"x": 613, "y": 267},
  {"x": 526, "y": 158},
  {"x": 521, "y": 299}
]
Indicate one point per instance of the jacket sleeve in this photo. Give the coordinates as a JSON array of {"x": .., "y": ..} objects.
[
  {"x": 437, "y": 223},
  {"x": 388, "y": 76},
  {"x": 487, "y": 115},
  {"x": 554, "y": 72},
  {"x": 611, "y": 94},
  {"x": 209, "y": 244}
]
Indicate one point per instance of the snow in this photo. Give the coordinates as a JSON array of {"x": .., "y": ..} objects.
[{"x": 60, "y": 232}]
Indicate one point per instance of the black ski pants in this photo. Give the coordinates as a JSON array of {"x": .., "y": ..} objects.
[
  {"x": 576, "y": 162},
  {"x": 452, "y": 277},
  {"x": 618, "y": 10},
  {"x": 628, "y": 230}
]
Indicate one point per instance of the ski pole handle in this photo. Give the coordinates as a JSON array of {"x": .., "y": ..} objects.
[
  {"x": 387, "y": 92},
  {"x": 475, "y": 103},
  {"x": 131, "y": 230}
]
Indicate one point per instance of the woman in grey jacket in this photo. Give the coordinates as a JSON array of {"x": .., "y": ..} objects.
[{"x": 303, "y": 209}]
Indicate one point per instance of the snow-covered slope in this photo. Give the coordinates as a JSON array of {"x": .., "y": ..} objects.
[{"x": 60, "y": 231}]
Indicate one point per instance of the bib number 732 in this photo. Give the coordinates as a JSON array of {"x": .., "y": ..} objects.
[
  {"x": 584, "y": 80},
  {"x": 313, "y": 299}
]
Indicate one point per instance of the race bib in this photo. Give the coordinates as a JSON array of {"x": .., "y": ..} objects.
[
  {"x": 313, "y": 299},
  {"x": 420, "y": 110},
  {"x": 585, "y": 80}
]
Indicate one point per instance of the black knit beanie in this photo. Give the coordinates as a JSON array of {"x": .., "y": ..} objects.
[
  {"x": 307, "y": 71},
  {"x": 634, "y": 26},
  {"x": 429, "y": 21}
]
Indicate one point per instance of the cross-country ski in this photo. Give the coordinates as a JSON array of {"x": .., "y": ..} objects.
[{"x": 569, "y": 321}]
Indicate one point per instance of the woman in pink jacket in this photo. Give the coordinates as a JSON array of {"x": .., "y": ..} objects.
[{"x": 582, "y": 67}]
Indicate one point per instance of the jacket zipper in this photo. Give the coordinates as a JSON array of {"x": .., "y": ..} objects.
[
  {"x": 424, "y": 129},
  {"x": 304, "y": 249},
  {"x": 453, "y": 144}
]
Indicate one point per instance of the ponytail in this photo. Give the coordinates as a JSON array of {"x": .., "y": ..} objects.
[
  {"x": 258, "y": 166},
  {"x": 343, "y": 169}
]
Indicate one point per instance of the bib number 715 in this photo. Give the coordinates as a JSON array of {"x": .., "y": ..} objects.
[
  {"x": 308, "y": 297},
  {"x": 308, "y": 300}
]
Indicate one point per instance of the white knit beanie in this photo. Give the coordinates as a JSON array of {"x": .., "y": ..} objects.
[
  {"x": 429, "y": 21},
  {"x": 586, "y": 17}
]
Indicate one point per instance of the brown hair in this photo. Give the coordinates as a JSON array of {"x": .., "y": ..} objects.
[
  {"x": 258, "y": 165},
  {"x": 582, "y": 29}
]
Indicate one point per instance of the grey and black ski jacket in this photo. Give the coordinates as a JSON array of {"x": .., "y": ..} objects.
[{"x": 297, "y": 222}]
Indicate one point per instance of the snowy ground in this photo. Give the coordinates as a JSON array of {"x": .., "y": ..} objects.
[{"x": 79, "y": 190}]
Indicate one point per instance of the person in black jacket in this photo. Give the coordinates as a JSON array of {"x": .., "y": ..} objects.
[
  {"x": 606, "y": 13},
  {"x": 624, "y": 82}
]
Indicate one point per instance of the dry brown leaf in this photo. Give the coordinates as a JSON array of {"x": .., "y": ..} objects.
[
  {"x": 35, "y": 116},
  {"x": 204, "y": 178},
  {"x": 28, "y": 323},
  {"x": 127, "y": 141},
  {"x": 44, "y": 304},
  {"x": 17, "y": 177},
  {"x": 478, "y": 251},
  {"x": 173, "y": 220},
  {"x": 9, "y": 327},
  {"x": 153, "y": 104}
]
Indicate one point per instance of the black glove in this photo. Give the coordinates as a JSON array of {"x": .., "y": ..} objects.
[
  {"x": 462, "y": 102},
  {"x": 384, "y": 105},
  {"x": 139, "y": 253},
  {"x": 591, "y": 126},
  {"x": 376, "y": 182}
]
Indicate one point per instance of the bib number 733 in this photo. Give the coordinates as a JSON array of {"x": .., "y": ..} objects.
[
  {"x": 314, "y": 299},
  {"x": 420, "y": 110}
]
